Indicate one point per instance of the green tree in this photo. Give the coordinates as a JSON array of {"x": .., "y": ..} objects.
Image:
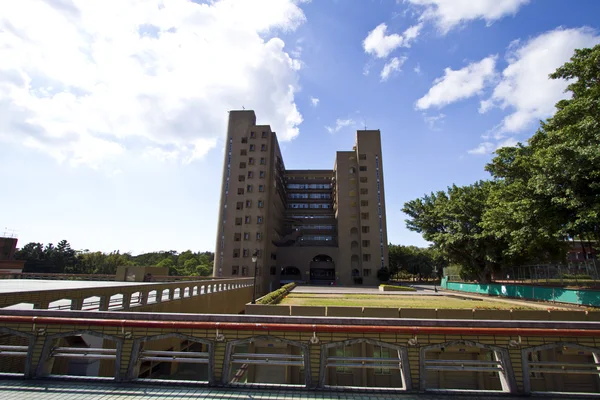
[{"x": 452, "y": 221}]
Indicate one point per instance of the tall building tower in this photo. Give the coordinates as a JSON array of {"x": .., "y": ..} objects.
[{"x": 314, "y": 226}]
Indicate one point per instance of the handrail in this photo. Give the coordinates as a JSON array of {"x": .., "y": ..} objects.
[{"x": 295, "y": 327}]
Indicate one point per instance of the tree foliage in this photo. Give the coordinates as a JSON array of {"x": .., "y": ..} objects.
[
  {"x": 63, "y": 259},
  {"x": 541, "y": 194},
  {"x": 416, "y": 261}
]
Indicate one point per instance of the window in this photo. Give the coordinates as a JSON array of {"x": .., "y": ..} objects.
[
  {"x": 242, "y": 165},
  {"x": 236, "y": 253},
  {"x": 250, "y": 174},
  {"x": 362, "y": 157},
  {"x": 273, "y": 271},
  {"x": 249, "y": 188},
  {"x": 273, "y": 256},
  {"x": 252, "y": 135},
  {"x": 343, "y": 352},
  {"x": 363, "y": 179},
  {"x": 248, "y": 203},
  {"x": 366, "y": 257},
  {"x": 235, "y": 270},
  {"x": 381, "y": 352},
  {"x": 364, "y": 191},
  {"x": 362, "y": 168},
  {"x": 241, "y": 178},
  {"x": 364, "y": 215},
  {"x": 263, "y": 147},
  {"x": 243, "y": 152},
  {"x": 250, "y": 161},
  {"x": 259, "y": 220},
  {"x": 247, "y": 219},
  {"x": 239, "y": 205},
  {"x": 352, "y": 193},
  {"x": 366, "y": 243},
  {"x": 252, "y": 147},
  {"x": 263, "y": 161},
  {"x": 246, "y": 253},
  {"x": 353, "y": 217},
  {"x": 246, "y": 236},
  {"x": 367, "y": 272},
  {"x": 264, "y": 134},
  {"x": 261, "y": 188},
  {"x": 260, "y": 204},
  {"x": 352, "y": 170},
  {"x": 244, "y": 271},
  {"x": 258, "y": 236},
  {"x": 237, "y": 237},
  {"x": 365, "y": 229},
  {"x": 240, "y": 190},
  {"x": 352, "y": 204},
  {"x": 238, "y": 221},
  {"x": 261, "y": 174},
  {"x": 244, "y": 140},
  {"x": 364, "y": 203}
]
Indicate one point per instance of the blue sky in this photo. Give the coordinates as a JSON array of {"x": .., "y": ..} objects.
[{"x": 113, "y": 116}]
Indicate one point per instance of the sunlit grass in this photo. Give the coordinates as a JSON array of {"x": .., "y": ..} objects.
[{"x": 399, "y": 301}]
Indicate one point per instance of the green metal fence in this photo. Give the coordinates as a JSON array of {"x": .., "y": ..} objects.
[{"x": 528, "y": 292}]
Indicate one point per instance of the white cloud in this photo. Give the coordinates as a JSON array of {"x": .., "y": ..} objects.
[
  {"x": 381, "y": 45},
  {"x": 339, "y": 124},
  {"x": 314, "y": 101},
  {"x": 525, "y": 88},
  {"x": 89, "y": 80},
  {"x": 489, "y": 147},
  {"x": 459, "y": 84},
  {"x": 393, "y": 65},
  {"x": 448, "y": 14},
  {"x": 417, "y": 69},
  {"x": 433, "y": 120}
]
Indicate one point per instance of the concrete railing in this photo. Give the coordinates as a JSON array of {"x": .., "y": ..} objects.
[
  {"x": 313, "y": 352},
  {"x": 124, "y": 297}
]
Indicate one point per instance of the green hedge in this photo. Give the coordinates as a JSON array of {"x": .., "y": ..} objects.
[
  {"x": 395, "y": 288},
  {"x": 276, "y": 296}
]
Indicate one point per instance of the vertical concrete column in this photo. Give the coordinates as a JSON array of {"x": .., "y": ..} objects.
[
  {"x": 76, "y": 304},
  {"x": 144, "y": 297},
  {"x": 171, "y": 294},
  {"x": 159, "y": 294},
  {"x": 126, "y": 302},
  {"x": 104, "y": 302}
]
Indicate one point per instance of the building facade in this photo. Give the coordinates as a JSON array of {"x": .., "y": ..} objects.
[{"x": 313, "y": 226}]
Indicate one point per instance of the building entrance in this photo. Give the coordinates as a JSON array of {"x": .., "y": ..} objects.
[{"x": 322, "y": 270}]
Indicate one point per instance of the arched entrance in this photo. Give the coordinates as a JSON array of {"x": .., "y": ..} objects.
[{"x": 322, "y": 270}]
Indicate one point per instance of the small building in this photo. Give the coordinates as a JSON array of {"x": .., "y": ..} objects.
[{"x": 8, "y": 264}]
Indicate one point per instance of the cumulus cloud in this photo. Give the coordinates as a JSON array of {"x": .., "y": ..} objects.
[
  {"x": 525, "y": 88},
  {"x": 459, "y": 84},
  {"x": 314, "y": 101},
  {"x": 381, "y": 45},
  {"x": 448, "y": 14},
  {"x": 434, "y": 120},
  {"x": 339, "y": 124},
  {"x": 89, "y": 80},
  {"x": 391, "y": 66},
  {"x": 489, "y": 147}
]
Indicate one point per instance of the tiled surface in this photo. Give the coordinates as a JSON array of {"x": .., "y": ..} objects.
[{"x": 53, "y": 390}]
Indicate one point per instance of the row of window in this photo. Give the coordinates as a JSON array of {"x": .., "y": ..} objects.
[
  {"x": 245, "y": 253},
  {"x": 235, "y": 270},
  {"x": 248, "y": 220},
  {"x": 251, "y": 161},
  {"x": 311, "y": 205},
  {"x": 324, "y": 216},
  {"x": 240, "y": 204},
  {"x": 309, "y": 186},
  {"x": 362, "y": 191},
  {"x": 250, "y": 189},
  {"x": 317, "y": 238},
  {"x": 309, "y": 195},
  {"x": 242, "y": 178},
  {"x": 237, "y": 237},
  {"x": 324, "y": 227},
  {"x": 362, "y": 168},
  {"x": 253, "y": 135}
]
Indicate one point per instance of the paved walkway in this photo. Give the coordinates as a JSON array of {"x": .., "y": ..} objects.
[
  {"x": 356, "y": 290},
  {"x": 60, "y": 390}
]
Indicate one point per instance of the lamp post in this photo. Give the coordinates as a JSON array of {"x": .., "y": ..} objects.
[{"x": 255, "y": 261}]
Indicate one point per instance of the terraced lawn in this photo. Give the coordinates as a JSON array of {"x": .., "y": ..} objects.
[{"x": 399, "y": 301}]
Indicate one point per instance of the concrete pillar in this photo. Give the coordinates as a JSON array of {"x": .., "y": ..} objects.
[
  {"x": 159, "y": 294},
  {"x": 144, "y": 297},
  {"x": 126, "y": 302},
  {"x": 76, "y": 304},
  {"x": 104, "y": 302},
  {"x": 171, "y": 294}
]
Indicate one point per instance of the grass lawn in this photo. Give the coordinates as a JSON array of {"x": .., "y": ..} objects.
[{"x": 399, "y": 301}]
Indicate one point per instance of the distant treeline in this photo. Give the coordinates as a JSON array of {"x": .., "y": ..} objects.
[{"x": 62, "y": 259}]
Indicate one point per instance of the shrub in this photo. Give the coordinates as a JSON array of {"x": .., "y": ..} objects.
[
  {"x": 576, "y": 276},
  {"x": 275, "y": 296},
  {"x": 383, "y": 274},
  {"x": 398, "y": 288}
]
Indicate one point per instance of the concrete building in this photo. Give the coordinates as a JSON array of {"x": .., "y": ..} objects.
[
  {"x": 314, "y": 226},
  {"x": 8, "y": 264}
]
